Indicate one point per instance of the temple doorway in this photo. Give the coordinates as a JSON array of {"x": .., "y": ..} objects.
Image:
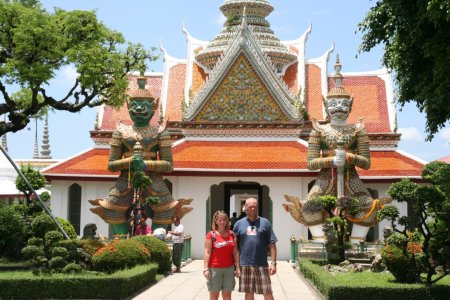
[{"x": 230, "y": 197}]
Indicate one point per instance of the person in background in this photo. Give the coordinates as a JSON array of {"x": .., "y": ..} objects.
[
  {"x": 177, "y": 234},
  {"x": 142, "y": 228},
  {"x": 243, "y": 214},
  {"x": 255, "y": 237},
  {"x": 233, "y": 220},
  {"x": 221, "y": 258}
]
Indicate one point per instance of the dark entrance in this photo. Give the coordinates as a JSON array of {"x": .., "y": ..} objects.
[{"x": 222, "y": 194}]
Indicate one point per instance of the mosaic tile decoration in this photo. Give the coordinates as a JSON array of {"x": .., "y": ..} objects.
[{"x": 241, "y": 96}]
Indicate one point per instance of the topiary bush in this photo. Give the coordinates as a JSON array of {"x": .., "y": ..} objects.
[
  {"x": 68, "y": 228},
  {"x": 120, "y": 254},
  {"x": 159, "y": 251},
  {"x": 42, "y": 224}
]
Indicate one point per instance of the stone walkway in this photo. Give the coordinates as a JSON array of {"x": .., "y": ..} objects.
[{"x": 287, "y": 284}]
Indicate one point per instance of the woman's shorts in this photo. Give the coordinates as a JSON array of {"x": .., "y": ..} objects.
[
  {"x": 255, "y": 280},
  {"x": 222, "y": 279}
]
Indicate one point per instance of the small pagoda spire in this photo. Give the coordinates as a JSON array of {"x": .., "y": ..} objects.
[
  {"x": 36, "y": 145},
  {"x": 45, "y": 152}
]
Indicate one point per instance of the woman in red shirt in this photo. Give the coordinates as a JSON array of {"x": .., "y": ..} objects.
[
  {"x": 142, "y": 228},
  {"x": 221, "y": 258}
]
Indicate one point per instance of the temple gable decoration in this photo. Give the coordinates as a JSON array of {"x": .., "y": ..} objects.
[
  {"x": 241, "y": 96},
  {"x": 247, "y": 72}
]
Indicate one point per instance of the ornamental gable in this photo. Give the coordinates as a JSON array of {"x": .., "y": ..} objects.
[
  {"x": 241, "y": 96},
  {"x": 244, "y": 85}
]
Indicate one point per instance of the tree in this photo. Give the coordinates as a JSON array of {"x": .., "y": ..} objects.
[
  {"x": 34, "y": 177},
  {"x": 36, "y": 44},
  {"x": 431, "y": 203},
  {"x": 336, "y": 226},
  {"x": 415, "y": 35}
]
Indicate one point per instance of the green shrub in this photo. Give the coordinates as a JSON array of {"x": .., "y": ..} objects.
[
  {"x": 60, "y": 251},
  {"x": 12, "y": 232},
  {"x": 53, "y": 237},
  {"x": 159, "y": 251},
  {"x": 68, "y": 228},
  {"x": 32, "y": 251},
  {"x": 398, "y": 264},
  {"x": 71, "y": 246},
  {"x": 120, "y": 254},
  {"x": 72, "y": 268},
  {"x": 57, "y": 263},
  {"x": 42, "y": 224}
]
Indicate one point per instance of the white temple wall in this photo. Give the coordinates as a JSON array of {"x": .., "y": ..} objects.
[
  {"x": 382, "y": 192},
  {"x": 198, "y": 188},
  {"x": 89, "y": 190}
]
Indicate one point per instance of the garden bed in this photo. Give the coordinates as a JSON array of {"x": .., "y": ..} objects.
[{"x": 368, "y": 285}]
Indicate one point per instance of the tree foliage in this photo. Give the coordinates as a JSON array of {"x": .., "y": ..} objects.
[
  {"x": 35, "y": 44},
  {"x": 431, "y": 203},
  {"x": 415, "y": 35}
]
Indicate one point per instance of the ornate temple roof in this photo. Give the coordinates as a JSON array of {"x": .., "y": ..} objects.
[
  {"x": 209, "y": 135},
  {"x": 255, "y": 11},
  {"x": 244, "y": 86}
]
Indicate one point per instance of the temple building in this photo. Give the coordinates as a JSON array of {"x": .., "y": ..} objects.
[{"x": 239, "y": 111}]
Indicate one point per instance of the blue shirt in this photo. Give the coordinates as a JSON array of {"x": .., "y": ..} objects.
[{"x": 253, "y": 239}]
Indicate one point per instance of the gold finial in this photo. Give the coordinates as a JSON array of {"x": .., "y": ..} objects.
[
  {"x": 338, "y": 90},
  {"x": 142, "y": 81}
]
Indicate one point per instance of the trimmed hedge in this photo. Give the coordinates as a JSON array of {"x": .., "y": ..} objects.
[
  {"x": 120, "y": 254},
  {"x": 159, "y": 251},
  {"x": 88, "y": 285},
  {"x": 367, "y": 286}
]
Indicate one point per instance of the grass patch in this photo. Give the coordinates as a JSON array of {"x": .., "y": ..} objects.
[{"x": 368, "y": 285}]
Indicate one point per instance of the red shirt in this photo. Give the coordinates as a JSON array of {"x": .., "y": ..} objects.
[
  {"x": 143, "y": 231},
  {"x": 221, "y": 250}
]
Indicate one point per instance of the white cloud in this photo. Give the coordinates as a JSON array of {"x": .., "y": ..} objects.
[
  {"x": 69, "y": 73},
  {"x": 410, "y": 134},
  {"x": 445, "y": 134}
]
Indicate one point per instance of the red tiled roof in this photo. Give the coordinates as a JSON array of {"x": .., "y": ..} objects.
[
  {"x": 369, "y": 99},
  {"x": 392, "y": 164},
  {"x": 238, "y": 156},
  {"x": 445, "y": 159},
  {"x": 290, "y": 77},
  {"x": 92, "y": 162},
  {"x": 175, "y": 93},
  {"x": 313, "y": 90}
]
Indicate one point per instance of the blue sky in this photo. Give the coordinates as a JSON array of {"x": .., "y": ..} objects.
[{"x": 153, "y": 22}]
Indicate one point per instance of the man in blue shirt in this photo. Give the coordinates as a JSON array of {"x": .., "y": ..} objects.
[{"x": 255, "y": 238}]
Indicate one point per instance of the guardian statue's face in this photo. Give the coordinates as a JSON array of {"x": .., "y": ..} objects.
[
  {"x": 339, "y": 108},
  {"x": 141, "y": 111}
]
